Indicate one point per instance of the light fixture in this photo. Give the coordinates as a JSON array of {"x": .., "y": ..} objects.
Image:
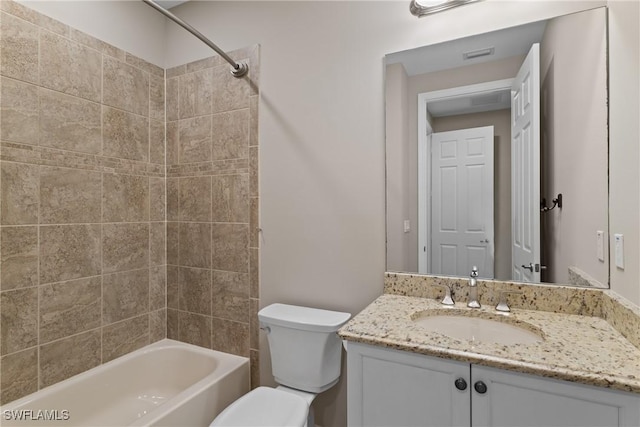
[{"x": 422, "y": 8}]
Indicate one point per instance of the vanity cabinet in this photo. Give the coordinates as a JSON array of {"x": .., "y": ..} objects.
[{"x": 398, "y": 388}]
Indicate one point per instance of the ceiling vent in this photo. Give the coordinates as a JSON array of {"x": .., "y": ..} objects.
[{"x": 472, "y": 54}]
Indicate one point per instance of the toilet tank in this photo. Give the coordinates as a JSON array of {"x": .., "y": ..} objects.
[{"x": 305, "y": 348}]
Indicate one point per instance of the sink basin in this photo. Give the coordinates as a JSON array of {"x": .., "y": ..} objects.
[{"x": 479, "y": 327}]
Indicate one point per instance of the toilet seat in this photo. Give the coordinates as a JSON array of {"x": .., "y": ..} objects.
[{"x": 265, "y": 407}]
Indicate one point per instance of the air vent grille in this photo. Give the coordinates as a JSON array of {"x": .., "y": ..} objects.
[{"x": 472, "y": 54}]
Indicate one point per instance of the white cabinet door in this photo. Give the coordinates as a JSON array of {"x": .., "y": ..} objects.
[
  {"x": 518, "y": 400},
  {"x": 397, "y": 388}
]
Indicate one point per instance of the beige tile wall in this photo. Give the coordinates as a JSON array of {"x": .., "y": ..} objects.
[
  {"x": 99, "y": 232},
  {"x": 82, "y": 217},
  {"x": 212, "y": 206}
]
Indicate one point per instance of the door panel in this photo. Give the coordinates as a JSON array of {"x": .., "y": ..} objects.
[
  {"x": 475, "y": 221},
  {"x": 476, "y": 255},
  {"x": 449, "y": 259},
  {"x": 448, "y": 205},
  {"x": 525, "y": 169},
  {"x": 462, "y": 230}
]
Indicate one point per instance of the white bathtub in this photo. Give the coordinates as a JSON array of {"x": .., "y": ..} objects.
[{"x": 165, "y": 383}]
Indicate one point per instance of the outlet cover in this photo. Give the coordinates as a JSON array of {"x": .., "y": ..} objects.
[
  {"x": 619, "y": 250},
  {"x": 600, "y": 244}
]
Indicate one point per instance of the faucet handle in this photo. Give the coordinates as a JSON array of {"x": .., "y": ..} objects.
[
  {"x": 474, "y": 271},
  {"x": 502, "y": 302},
  {"x": 448, "y": 299}
]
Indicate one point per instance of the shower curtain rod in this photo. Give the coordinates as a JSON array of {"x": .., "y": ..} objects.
[{"x": 239, "y": 69}]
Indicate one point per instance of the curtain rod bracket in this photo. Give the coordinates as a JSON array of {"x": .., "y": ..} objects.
[{"x": 240, "y": 70}]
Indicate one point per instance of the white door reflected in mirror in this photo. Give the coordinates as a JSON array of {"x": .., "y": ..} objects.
[
  {"x": 461, "y": 202},
  {"x": 525, "y": 169}
]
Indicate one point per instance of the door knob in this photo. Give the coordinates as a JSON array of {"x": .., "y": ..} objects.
[
  {"x": 461, "y": 384},
  {"x": 480, "y": 387},
  {"x": 528, "y": 267}
]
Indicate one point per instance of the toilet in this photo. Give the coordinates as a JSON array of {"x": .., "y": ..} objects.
[{"x": 306, "y": 360}]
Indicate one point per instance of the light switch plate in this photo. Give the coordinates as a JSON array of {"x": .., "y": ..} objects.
[
  {"x": 619, "y": 250},
  {"x": 600, "y": 244},
  {"x": 407, "y": 226}
]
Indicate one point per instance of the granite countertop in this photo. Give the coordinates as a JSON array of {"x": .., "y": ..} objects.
[{"x": 582, "y": 349}]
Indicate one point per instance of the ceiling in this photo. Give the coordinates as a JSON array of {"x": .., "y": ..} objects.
[
  {"x": 499, "y": 99},
  {"x": 509, "y": 42},
  {"x": 443, "y": 56},
  {"x": 168, "y": 4}
]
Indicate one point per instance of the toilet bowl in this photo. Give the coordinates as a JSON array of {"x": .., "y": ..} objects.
[{"x": 306, "y": 359}]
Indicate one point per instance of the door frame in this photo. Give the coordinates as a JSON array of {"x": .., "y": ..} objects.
[{"x": 424, "y": 157}]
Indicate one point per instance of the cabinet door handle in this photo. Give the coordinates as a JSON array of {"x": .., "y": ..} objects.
[
  {"x": 460, "y": 384},
  {"x": 480, "y": 387}
]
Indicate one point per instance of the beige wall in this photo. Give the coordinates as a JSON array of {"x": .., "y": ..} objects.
[
  {"x": 573, "y": 141},
  {"x": 129, "y": 24},
  {"x": 402, "y": 248},
  {"x": 624, "y": 134},
  {"x": 501, "y": 122},
  {"x": 82, "y": 231}
]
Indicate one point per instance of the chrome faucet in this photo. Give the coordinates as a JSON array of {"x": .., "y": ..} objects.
[
  {"x": 473, "y": 289},
  {"x": 502, "y": 302},
  {"x": 448, "y": 299}
]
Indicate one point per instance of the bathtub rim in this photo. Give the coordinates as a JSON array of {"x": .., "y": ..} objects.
[{"x": 229, "y": 361}]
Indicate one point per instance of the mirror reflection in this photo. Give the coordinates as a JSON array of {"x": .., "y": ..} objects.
[{"x": 497, "y": 154}]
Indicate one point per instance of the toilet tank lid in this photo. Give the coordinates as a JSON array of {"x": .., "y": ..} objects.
[{"x": 304, "y": 318}]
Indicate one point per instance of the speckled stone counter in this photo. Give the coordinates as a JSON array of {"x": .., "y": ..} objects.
[{"x": 576, "y": 347}]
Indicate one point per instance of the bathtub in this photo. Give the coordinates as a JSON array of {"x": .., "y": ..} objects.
[{"x": 165, "y": 383}]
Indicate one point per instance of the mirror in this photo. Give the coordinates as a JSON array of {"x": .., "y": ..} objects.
[{"x": 458, "y": 196}]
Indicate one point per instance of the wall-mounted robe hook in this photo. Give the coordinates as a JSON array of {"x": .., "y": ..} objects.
[{"x": 556, "y": 202}]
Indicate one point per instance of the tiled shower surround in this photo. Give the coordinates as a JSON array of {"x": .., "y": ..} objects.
[
  {"x": 212, "y": 206},
  {"x": 88, "y": 271}
]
